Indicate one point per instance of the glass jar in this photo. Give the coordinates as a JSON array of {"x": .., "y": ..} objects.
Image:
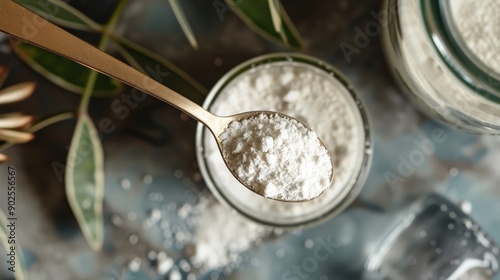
[
  {"x": 437, "y": 68},
  {"x": 435, "y": 240},
  {"x": 346, "y": 116}
]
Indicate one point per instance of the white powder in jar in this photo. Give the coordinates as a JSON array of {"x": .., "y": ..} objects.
[
  {"x": 277, "y": 157},
  {"x": 430, "y": 78},
  {"x": 315, "y": 98},
  {"x": 478, "y": 23}
]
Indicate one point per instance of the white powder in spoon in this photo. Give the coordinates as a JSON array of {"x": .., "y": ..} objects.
[{"x": 277, "y": 157}]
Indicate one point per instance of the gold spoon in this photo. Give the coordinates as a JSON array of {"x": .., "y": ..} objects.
[{"x": 52, "y": 38}]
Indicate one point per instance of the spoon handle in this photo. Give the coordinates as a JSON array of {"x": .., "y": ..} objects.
[{"x": 14, "y": 19}]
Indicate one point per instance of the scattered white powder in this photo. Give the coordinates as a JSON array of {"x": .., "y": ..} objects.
[
  {"x": 221, "y": 235},
  {"x": 478, "y": 22},
  {"x": 277, "y": 157},
  {"x": 313, "y": 97},
  {"x": 211, "y": 237}
]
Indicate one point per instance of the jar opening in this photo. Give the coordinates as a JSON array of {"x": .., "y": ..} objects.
[
  {"x": 277, "y": 88},
  {"x": 440, "y": 19}
]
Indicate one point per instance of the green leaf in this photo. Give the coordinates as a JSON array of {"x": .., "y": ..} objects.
[
  {"x": 64, "y": 72},
  {"x": 4, "y": 234},
  {"x": 275, "y": 9},
  {"x": 161, "y": 70},
  {"x": 183, "y": 22},
  {"x": 85, "y": 180},
  {"x": 84, "y": 176},
  {"x": 258, "y": 15},
  {"x": 60, "y": 13}
]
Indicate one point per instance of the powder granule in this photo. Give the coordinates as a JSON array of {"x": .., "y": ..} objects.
[
  {"x": 478, "y": 22},
  {"x": 277, "y": 157},
  {"x": 222, "y": 235}
]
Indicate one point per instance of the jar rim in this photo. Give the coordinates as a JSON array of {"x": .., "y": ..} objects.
[{"x": 360, "y": 177}]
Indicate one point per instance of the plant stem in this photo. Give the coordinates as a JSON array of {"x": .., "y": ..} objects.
[
  {"x": 42, "y": 124},
  {"x": 103, "y": 44},
  {"x": 49, "y": 121}
]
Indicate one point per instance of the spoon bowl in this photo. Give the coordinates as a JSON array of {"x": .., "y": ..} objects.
[
  {"x": 55, "y": 39},
  {"x": 219, "y": 126}
]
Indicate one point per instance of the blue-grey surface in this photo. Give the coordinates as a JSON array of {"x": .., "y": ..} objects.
[{"x": 157, "y": 140}]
